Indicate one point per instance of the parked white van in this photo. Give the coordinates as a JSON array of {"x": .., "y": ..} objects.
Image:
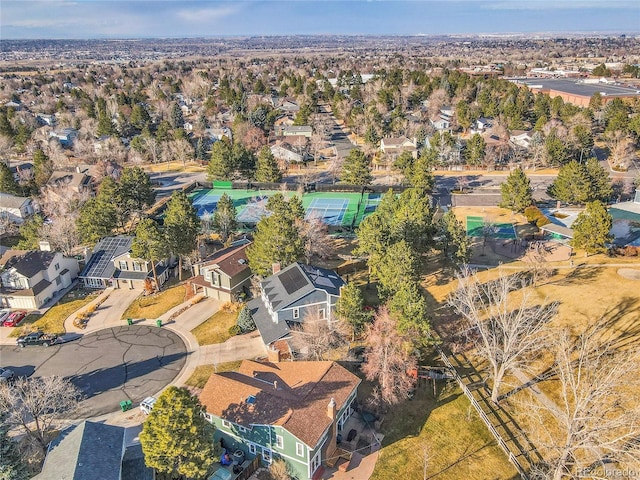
[{"x": 147, "y": 405}]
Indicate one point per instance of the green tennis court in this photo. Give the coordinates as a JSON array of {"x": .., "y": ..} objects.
[
  {"x": 481, "y": 227},
  {"x": 333, "y": 208}
]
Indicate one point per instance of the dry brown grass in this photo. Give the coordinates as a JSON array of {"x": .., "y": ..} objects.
[{"x": 216, "y": 328}]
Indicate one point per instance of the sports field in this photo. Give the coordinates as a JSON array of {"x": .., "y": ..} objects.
[
  {"x": 338, "y": 209},
  {"x": 480, "y": 227}
]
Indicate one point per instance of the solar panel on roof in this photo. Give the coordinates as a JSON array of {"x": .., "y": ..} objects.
[
  {"x": 103, "y": 258},
  {"x": 292, "y": 280}
]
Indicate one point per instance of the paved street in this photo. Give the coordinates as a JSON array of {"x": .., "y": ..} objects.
[{"x": 108, "y": 366}]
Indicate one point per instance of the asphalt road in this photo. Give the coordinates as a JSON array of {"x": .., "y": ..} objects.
[{"x": 108, "y": 366}]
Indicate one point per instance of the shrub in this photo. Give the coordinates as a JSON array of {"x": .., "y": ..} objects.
[
  {"x": 235, "y": 330},
  {"x": 92, "y": 308},
  {"x": 197, "y": 299},
  {"x": 231, "y": 307},
  {"x": 542, "y": 221},
  {"x": 245, "y": 320},
  {"x": 532, "y": 213}
]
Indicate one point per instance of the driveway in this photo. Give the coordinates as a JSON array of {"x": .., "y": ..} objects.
[
  {"x": 236, "y": 348},
  {"x": 108, "y": 366},
  {"x": 109, "y": 313}
]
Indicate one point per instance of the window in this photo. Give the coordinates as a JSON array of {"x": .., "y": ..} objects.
[
  {"x": 252, "y": 449},
  {"x": 242, "y": 429},
  {"x": 123, "y": 265},
  {"x": 137, "y": 267},
  {"x": 58, "y": 281},
  {"x": 209, "y": 417},
  {"x": 57, "y": 266},
  {"x": 315, "y": 463},
  {"x": 226, "y": 424},
  {"x": 219, "y": 280},
  {"x": 279, "y": 441},
  {"x": 266, "y": 455},
  {"x": 299, "y": 449},
  {"x": 296, "y": 312},
  {"x": 321, "y": 313}
]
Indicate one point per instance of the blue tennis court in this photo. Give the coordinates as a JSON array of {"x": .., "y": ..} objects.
[
  {"x": 330, "y": 210},
  {"x": 373, "y": 200},
  {"x": 206, "y": 203}
]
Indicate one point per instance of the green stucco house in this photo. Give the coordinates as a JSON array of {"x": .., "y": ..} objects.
[{"x": 288, "y": 410}]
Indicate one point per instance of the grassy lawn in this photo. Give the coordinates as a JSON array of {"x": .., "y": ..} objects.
[
  {"x": 448, "y": 431},
  {"x": 53, "y": 320},
  {"x": 215, "y": 329},
  {"x": 202, "y": 373},
  {"x": 153, "y": 306}
]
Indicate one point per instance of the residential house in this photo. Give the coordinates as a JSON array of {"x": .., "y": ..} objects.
[
  {"x": 78, "y": 181},
  {"x": 284, "y": 410},
  {"x": 289, "y": 295},
  {"x": 111, "y": 265},
  {"x": 442, "y": 121},
  {"x": 225, "y": 275},
  {"x": 14, "y": 104},
  {"x": 283, "y": 120},
  {"x": 216, "y": 134},
  {"x": 66, "y": 136},
  {"x": 92, "y": 450},
  {"x": 16, "y": 209},
  {"x": 288, "y": 105},
  {"x": 293, "y": 130},
  {"x": 22, "y": 172},
  {"x": 521, "y": 138},
  {"x": 394, "y": 147},
  {"x": 286, "y": 153},
  {"x": 48, "y": 120},
  {"x": 32, "y": 278},
  {"x": 482, "y": 124}
]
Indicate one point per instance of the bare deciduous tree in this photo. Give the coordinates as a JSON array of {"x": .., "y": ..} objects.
[
  {"x": 316, "y": 335},
  {"x": 388, "y": 359},
  {"x": 317, "y": 242},
  {"x": 35, "y": 405},
  {"x": 506, "y": 328},
  {"x": 597, "y": 416}
]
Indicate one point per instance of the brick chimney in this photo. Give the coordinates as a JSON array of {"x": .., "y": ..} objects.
[
  {"x": 273, "y": 355},
  {"x": 275, "y": 268},
  {"x": 333, "y": 430}
]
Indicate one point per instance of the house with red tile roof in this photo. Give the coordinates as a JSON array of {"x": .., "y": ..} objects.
[{"x": 288, "y": 410}]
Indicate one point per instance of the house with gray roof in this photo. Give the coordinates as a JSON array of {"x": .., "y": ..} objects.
[
  {"x": 92, "y": 450},
  {"x": 290, "y": 295},
  {"x": 112, "y": 265},
  {"x": 32, "y": 278},
  {"x": 16, "y": 209}
]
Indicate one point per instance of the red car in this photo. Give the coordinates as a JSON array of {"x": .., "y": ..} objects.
[{"x": 15, "y": 318}]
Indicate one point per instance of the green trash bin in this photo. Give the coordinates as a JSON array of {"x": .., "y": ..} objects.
[
  {"x": 129, "y": 321},
  {"x": 125, "y": 405},
  {"x": 158, "y": 323}
]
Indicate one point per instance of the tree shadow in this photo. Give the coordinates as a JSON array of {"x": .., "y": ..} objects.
[{"x": 102, "y": 380}]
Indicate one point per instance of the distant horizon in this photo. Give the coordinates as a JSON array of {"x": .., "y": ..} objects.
[
  {"x": 144, "y": 19},
  {"x": 542, "y": 35}
]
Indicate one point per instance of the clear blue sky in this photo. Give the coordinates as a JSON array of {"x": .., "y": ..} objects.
[{"x": 169, "y": 18}]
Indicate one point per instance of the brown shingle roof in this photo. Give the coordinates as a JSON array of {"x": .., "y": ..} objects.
[
  {"x": 293, "y": 395},
  {"x": 231, "y": 261}
]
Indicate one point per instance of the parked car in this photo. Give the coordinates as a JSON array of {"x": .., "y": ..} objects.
[
  {"x": 37, "y": 338},
  {"x": 15, "y": 318},
  {"x": 4, "y": 314},
  {"x": 6, "y": 375},
  {"x": 147, "y": 405}
]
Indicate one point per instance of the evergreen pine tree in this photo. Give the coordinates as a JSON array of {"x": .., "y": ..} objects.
[
  {"x": 591, "y": 229},
  {"x": 356, "y": 169},
  {"x": 516, "y": 191},
  {"x": 224, "y": 218},
  {"x": 267, "y": 169},
  {"x": 181, "y": 226}
]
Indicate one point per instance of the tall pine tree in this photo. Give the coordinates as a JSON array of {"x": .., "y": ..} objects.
[
  {"x": 181, "y": 226},
  {"x": 516, "y": 191}
]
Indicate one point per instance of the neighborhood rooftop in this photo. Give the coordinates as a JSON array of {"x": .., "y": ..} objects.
[
  {"x": 293, "y": 395},
  {"x": 101, "y": 263}
]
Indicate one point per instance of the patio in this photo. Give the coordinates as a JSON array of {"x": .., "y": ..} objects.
[{"x": 357, "y": 451}]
